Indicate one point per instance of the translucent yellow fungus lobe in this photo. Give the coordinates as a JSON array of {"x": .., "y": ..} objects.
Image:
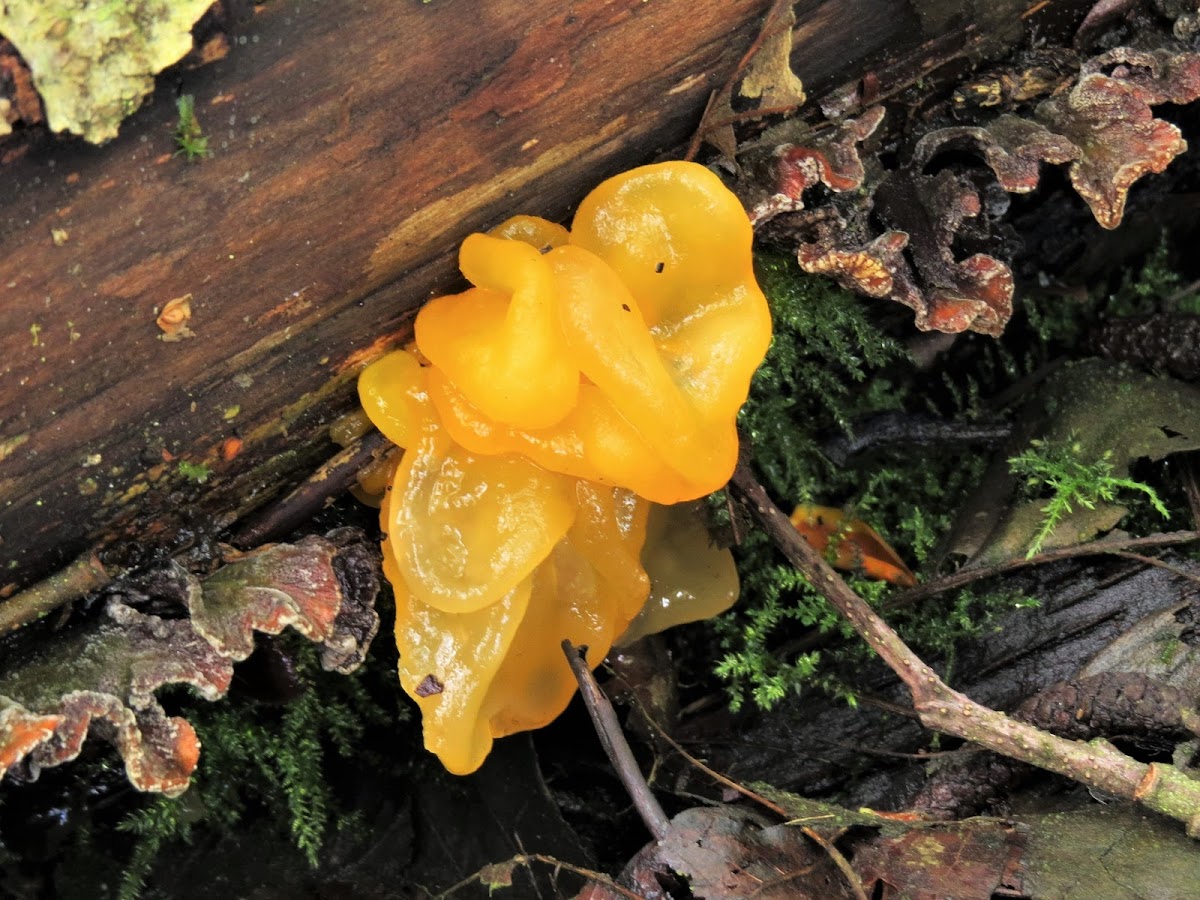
[{"x": 583, "y": 374}]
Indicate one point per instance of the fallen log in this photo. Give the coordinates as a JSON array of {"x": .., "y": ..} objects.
[{"x": 353, "y": 149}]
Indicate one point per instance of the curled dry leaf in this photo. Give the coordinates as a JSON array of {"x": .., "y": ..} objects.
[
  {"x": 1163, "y": 75},
  {"x": 768, "y": 83},
  {"x": 874, "y": 268},
  {"x": 102, "y": 678},
  {"x": 957, "y": 295},
  {"x": 723, "y": 853},
  {"x": 1102, "y": 126}
]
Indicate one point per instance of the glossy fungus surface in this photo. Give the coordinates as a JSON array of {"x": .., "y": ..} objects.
[{"x": 583, "y": 375}]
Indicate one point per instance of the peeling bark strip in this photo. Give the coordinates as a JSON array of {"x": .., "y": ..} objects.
[{"x": 353, "y": 149}]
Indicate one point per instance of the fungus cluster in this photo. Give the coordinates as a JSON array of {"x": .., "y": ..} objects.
[{"x": 585, "y": 375}]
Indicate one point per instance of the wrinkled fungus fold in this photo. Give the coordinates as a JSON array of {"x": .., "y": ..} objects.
[{"x": 584, "y": 375}]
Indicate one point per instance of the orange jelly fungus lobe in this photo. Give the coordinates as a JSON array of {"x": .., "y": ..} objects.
[{"x": 582, "y": 376}]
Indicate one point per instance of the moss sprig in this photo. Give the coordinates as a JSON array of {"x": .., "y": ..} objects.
[
  {"x": 189, "y": 136},
  {"x": 1060, "y": 471}
]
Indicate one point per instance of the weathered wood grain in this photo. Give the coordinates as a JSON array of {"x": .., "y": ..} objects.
[{"x": 355, "y": 145}]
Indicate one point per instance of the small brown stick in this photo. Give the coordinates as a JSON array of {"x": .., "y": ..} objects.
[
  {"x": 608, "y": 729},
  {"x": 1157, "y": 563},
  {"x": 1097, "y": 764},
  {"x": 77, "y": 579},
  {"x": 333, "y": 477}
]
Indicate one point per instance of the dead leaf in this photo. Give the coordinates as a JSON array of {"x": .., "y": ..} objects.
[
  {"x": 829, "y": 157},
  {"x": 974, "y": 858},
  {"x": 723, "y": 853},
  {"x": 1013, "y": 148},
  {"x": 768, "y": 79}
]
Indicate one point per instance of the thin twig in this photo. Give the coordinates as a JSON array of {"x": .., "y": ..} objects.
[
  {"x": 839, "y": 860},
  {"x": 1157, "y": 563},
  {"x": 1091, "y": 548},
  {"x": 334, "y": 477},
  {"x": 79, "y": 578},
  {"x": 604, "y": 718},
  {"x": 696, "y": 763},
  {"x": 1096, "y": 764}
]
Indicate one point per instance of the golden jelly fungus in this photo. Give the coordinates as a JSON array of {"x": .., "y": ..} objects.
[
  {"x": 582, "y": 375},
  {"x": 621, "y": 356}
]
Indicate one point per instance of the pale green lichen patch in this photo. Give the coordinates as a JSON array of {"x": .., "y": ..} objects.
[{"x": 94, "y": 61}]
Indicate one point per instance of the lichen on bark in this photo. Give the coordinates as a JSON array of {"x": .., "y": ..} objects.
[{"x": 93, "y": 63}]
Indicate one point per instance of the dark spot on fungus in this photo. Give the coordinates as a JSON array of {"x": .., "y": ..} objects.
[
  {"x": 658, "y": 269},
  {"x": 428, "y": 687}
]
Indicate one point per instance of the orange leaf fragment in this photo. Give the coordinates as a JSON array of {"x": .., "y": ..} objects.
[{"x": 856, "y": 546}]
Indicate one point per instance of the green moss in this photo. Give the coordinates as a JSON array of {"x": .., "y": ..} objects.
[
  {"x": 197, "y": 472},
  {"x": 1154, "y": 287},
  {"x": 266, "y": 759},
  {"x": 1059, "y": 472},
  {"x": 190, "y": 139},
  {"x": 829, "y": 363}
]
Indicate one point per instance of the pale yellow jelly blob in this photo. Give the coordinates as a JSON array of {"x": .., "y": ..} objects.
[
  {"x": 593, "y": 442},
  {"x": 587, "y": 591},
  {"x": 464, "y": 529},
  {"x": 447, "y": 664},
  {"x": 583, "y": 375},
  {"x": 539, "y": 233},
  {"x": 680, "y": 243},
  {"x": 373, "y": 479},
  {"x": 690, "y": 579},
  {"x": 486, "y": 674},
  {"x": 347, "y": 429},
  {"x": 500, "y": 342},
  {"x": 468, "y": 529},
  {"x": 393, "y": 394}
]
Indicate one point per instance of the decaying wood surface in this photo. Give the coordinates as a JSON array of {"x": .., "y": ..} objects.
[{"x": 354, "y": 146}]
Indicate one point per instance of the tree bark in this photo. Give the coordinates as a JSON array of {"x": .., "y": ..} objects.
[{"x": 354, "y": 147}]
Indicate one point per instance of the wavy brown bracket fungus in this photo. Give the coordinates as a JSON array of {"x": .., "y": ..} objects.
[
  {"x": 827, "y": 157},
  {"x": 102, "y": 678},
  {"x": 1101, "y": 125}
]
